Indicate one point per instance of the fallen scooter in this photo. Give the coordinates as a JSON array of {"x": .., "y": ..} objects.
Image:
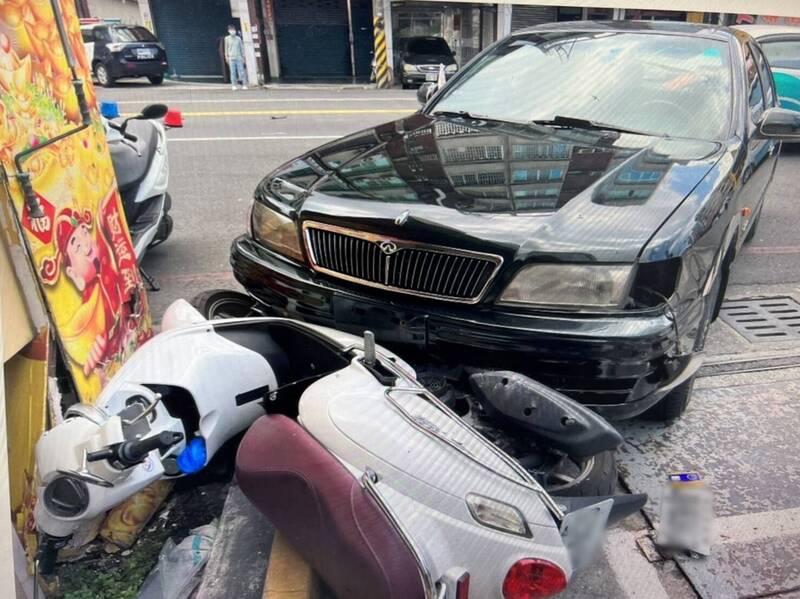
[{"x": 384, "y": 489}]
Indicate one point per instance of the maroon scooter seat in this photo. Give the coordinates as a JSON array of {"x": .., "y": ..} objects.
[{"x": 325, "y": 513}]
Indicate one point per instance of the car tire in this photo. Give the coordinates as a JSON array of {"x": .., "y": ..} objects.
[
  {"x": 225, "y": 303},
  {"x": 406, "y": 85},
  {"x": 102, "y": 75},
  {"x": 673, "y": 405},
  {"x": 600, "y": 479},
  {"x": 156, "y": 79}
]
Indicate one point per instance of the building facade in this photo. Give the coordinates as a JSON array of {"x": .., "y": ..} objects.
[{"x": 332, "y": 40}]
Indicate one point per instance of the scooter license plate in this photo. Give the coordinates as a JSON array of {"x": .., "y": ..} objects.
[
  {"x": 686, "y": 514},
  {"x": 431, "y": 76}
]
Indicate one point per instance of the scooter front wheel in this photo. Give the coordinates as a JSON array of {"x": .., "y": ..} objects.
[{"x": 225, "y": 303}]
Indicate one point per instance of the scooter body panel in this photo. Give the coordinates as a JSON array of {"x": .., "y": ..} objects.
[{"x": 427, "y": 461}]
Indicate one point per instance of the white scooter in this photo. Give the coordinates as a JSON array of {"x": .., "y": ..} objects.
[
  {"x": 138, "y": 147},
  {"x": 385, "y": 490}
]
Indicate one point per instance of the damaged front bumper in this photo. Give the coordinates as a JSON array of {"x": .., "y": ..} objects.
[{"x": 619, "y": 365}]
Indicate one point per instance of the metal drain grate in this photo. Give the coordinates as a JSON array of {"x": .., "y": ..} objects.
[{"x": 763, "y": 319}]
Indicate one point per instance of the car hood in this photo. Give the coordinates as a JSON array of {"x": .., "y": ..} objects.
[{"x": 522, "y": 191}]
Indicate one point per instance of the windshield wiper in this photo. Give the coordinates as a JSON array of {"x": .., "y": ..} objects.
[
  {"x": 577, "y": 123},
  {"x": 461, "y": 113}
]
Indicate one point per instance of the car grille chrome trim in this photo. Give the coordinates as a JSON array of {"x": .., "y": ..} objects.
[{"x": 398, "y": 265}]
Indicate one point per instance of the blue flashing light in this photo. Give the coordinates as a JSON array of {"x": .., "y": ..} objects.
[
  {"x": 109, "y": 109},
  {"x": 193, "y": 457}
]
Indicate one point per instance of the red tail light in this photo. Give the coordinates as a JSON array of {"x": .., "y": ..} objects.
[{"x": 532, "y": 578}]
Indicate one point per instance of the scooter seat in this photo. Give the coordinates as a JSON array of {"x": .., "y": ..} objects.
[{"x": 325, "y": 513}]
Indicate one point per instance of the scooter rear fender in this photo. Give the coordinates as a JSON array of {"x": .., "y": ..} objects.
[{"x": 548, "y": 415}]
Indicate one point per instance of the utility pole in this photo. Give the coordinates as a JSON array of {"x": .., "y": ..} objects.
[{"x": 383, "y": 71}]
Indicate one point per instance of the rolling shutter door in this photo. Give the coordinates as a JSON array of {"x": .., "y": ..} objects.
[
  {"x": 528, "y": 16},
  {"x": 312, "y": 38},
  {"x": 190, "y": 31}
]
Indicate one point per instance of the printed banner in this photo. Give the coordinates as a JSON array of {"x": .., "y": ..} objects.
[{"x": 81, "y": 247}]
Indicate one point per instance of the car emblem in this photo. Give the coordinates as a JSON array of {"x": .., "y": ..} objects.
[
  {"x": 401, "y": 220},
  {"x": 388, "y": 247}
]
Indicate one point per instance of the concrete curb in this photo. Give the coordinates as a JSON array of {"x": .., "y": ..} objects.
[{"x": 288, "y": 575}]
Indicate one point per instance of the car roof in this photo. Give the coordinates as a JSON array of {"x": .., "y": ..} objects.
[
  {"x": 761, "y": 31},
  {"x": 671, "y": 27}
]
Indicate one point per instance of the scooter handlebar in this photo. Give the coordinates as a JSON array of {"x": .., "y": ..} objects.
[{"x": 130, "y": 453}]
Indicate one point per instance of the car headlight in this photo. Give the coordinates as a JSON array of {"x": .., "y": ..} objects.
[
  {"x": 275, "y": 231},
  {"x": 409, "y": 68},
  {"x": 569, "y": 285},
  {"x": 451, "y": 68}
]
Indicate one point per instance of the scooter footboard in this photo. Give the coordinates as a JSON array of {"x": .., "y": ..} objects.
[{"x": 325, "y": 513}]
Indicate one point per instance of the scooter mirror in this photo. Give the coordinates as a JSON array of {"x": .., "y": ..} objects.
[{"x": 154, "y": 111}]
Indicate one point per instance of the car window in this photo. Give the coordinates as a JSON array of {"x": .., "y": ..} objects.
[
  {"x": 755, "y": 94},
  {"x": 782, "y": 54},
  {"x": 132, "y": 34},
  {"x": 87, "y": 36},
  {"x": 99, "y": 34},
  {"x": 664, "y": 84},
  {"x": 427, "y": 46},
  {"x": 764, "y": 72}
]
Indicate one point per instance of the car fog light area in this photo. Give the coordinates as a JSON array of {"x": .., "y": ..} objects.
[
  {"x": 275, "y": 231},
  {"x": 498, "y": 515},
  {"x": 569, "y": 285}
]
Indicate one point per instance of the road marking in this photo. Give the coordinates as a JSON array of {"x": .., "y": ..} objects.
[
  {"x": 777, "y": 250},
  {"x": 264, "y": 100},
  {"x": 636, "y": 576},
  {"x": 321, "y": 111},
  {"x": 748, "y": 528},
  {"x": 256, "y": 138}
]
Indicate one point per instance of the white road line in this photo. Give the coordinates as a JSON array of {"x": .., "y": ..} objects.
[
  {"x": 262, "y": 100},
  {"x": 636, "y": 576},
  {"x": 747, "y": 528},
  {"x": 255, "y": 138}
]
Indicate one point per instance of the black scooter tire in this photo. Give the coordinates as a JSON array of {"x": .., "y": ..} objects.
[
  {"x": 225, "y": 303},
  {"x": 599, "y": 480}
]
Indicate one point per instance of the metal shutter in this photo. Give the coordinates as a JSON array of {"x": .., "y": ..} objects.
[
  {"x": 528, "y": 16},
  {"x": 312, "y": 38},
  {"x": 191, "y": 31}
]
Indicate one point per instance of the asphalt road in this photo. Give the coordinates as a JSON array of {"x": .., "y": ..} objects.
[{"x": 232, "y": 139}]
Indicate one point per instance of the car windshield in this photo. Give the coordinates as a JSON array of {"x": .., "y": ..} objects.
[
  {"x": 783, "y": 54},
  {"x": 435, "y": 45},
  {"x": 132, "y": 34},
  {"x": 662, "y": 84}
]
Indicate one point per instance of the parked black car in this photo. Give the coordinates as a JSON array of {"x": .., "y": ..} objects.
[
  {"x": 568, "y": 206},
  {"x": 420, "y": 59},
  {"x": 118, "y": 51}
]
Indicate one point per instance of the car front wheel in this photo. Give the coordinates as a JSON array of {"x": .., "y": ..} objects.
[{"x": 102, "y": 75}]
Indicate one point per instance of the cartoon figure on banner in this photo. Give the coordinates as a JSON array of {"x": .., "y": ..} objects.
[{"x": 96, "y": 257}]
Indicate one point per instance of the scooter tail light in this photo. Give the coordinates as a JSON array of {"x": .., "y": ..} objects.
[{"x": 533, "y": 578}]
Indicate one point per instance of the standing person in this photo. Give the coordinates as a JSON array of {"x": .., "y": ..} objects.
[{"x": 234, "y": 56}]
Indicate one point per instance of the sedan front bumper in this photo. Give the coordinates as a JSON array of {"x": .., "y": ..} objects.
[{"x": 620, "y": 365}]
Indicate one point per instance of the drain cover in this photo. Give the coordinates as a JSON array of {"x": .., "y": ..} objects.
[{"x": 763, "y": 319}]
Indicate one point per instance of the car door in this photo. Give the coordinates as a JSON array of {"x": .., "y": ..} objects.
[{"x": 761, "y": 153}]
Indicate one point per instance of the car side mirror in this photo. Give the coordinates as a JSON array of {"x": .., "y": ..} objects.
[
  {"x": 425, "y": 91},
  {"x": 154, "y": 111},
  {"x": 780, "y": 124}
]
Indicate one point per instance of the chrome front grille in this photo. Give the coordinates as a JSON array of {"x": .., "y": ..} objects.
[{"x": 397, "y": 265}]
